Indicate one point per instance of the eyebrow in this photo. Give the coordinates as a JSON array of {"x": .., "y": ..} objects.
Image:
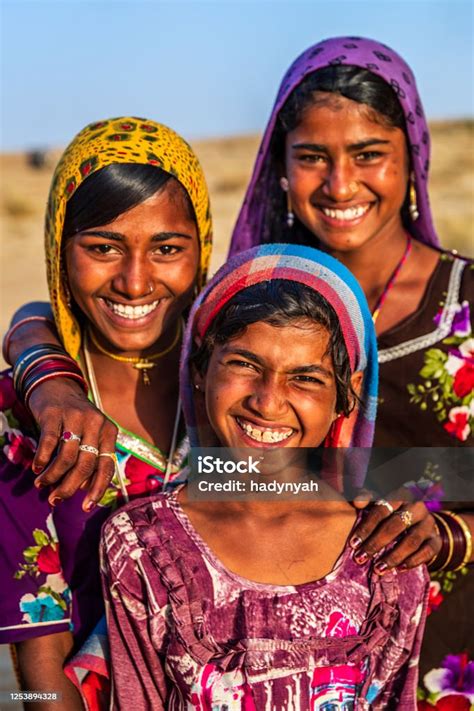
[
  {"x": 119, "y": 237},
  {"x": 299, "y": 370},
  {"x": 318, "y": 147}
]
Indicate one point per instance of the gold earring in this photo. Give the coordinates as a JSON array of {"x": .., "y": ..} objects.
[
  {"x": 413, "y": 207},
  {"x": 290, "y": 215}
]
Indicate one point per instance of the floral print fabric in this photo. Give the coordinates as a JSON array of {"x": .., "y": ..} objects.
[
  {"x": 205, "y": 638},
  {"x": 49, "y": 563}
]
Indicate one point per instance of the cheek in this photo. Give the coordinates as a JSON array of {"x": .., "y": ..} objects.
[{"x": 181, "y": 275}]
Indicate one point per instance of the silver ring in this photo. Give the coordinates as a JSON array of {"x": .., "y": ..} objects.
[
  {"x": 89, "y": 448},
  {"x": 68, "y": 436},
  {"x": 406, "y": 517},
  {"x": 380, "y": 502}
]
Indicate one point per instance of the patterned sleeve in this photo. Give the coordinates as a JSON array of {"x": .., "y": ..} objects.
[
  {"x": 34, "y": 596},
  {"x": 135, "y": 607}
]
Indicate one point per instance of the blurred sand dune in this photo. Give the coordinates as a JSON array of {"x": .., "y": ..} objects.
[{"x": 228, "y": 164}]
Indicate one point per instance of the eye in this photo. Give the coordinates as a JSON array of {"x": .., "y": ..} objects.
[
  {"x": 310, "y": 158},
  {"x": 309, "y": 379},
  {"x": 241, "y": 364},
  {"x": 167, "y": 250},
  {"x": 367, "y": 156},
  {"x": 102, "y": 249}
]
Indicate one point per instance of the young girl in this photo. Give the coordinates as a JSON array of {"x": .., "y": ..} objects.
[
  {"x": 344, "y": 165},
  {"x": 128, "y": 238},
  {"x": 253, "y": 604}
]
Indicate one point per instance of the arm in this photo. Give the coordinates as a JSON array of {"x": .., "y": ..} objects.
[
  {"x": 40, "y": 662},
  {"x": 60, "y": 405},
  {"x": 136, "y": 668}
]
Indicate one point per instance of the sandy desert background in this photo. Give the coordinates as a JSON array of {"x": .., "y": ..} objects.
[{"x": 227, "y": 164}]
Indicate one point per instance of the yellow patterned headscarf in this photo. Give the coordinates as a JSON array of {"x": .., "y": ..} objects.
[{"x": 119, "y": 140}]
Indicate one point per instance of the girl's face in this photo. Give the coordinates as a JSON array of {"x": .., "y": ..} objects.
[
  {"x": 347, "y": 173},
  {"x": 271, "y": 387},
  {"x": 133, "y": 277}
]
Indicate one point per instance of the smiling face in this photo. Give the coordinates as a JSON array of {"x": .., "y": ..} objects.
[
  {"x": 133, "y": 277},
  {"x": 262, "y": 391},
  {"x": 347, "y": 173}
]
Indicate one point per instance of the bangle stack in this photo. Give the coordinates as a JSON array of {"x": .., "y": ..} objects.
[
  {"x": 41, "y": 363},
  {"x": 17, "y": 325},
  {"x": 456, "y": 542}
]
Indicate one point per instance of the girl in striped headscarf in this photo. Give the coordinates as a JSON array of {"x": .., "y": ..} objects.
[{"x": 234, "y": 602}]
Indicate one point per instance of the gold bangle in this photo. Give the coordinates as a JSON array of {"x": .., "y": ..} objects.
[
  {"x": 439, "y": 519},
  {"x": 433, "y": 558},
  {"x": 467, "y": 535}
]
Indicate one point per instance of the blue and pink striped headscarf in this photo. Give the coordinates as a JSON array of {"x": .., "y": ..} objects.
[
  {"x": 251, "y": 228},
  {"x": 326, "y": 276}
]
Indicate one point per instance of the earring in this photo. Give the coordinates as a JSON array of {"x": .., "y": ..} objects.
[
  {"x": 413, "y": 207},
  {"x": 290, "y": 215}
]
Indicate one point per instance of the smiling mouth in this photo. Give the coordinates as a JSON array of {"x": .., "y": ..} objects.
[
  {"x": 268, "y": 435},
  {"x": 348, "y": 214},
  {"x": 131, "y": 312}
]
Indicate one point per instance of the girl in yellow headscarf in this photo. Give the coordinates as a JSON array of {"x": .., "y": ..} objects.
[{"x": 128, "y": 240}]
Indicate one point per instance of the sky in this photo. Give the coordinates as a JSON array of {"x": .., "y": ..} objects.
[{"x": 205, "y": 67}]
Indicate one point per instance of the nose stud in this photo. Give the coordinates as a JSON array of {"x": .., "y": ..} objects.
[{"x": 353, "y": 186}]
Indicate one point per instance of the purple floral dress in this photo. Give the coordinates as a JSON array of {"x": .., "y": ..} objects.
[
  {"x": 49, "y": 559},
  {"x": 188, "y": 634}
]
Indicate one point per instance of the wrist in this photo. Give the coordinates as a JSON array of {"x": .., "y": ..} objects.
[{"x": 28, "y": 332}]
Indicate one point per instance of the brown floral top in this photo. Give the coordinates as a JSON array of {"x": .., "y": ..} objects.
[{"x": 426, "y": 393}]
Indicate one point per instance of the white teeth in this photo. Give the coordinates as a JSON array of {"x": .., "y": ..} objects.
[
  {"x": 264, "y": 435},
  {"x": 351, "y": 213},
  {"x": 131, "y": 312}
]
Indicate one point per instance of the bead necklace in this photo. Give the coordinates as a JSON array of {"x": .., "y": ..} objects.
[
  {"x": 144, "y": 364},
  {"x": 391, "y": 281}
]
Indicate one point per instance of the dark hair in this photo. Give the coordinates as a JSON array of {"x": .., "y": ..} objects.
[
  {"x": 351, "y": 82},
  {"x": 280, "y": 302},
  {"x": 114, "y": 189}
]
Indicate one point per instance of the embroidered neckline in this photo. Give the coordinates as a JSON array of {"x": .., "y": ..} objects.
[{"x": 445, "y": 322}]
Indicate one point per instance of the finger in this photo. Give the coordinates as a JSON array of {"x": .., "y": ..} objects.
[
  {"x": 389, "y": 529},
  {"x": 50, "y": 432},
  {"x": 424, "y": 555},
  {"x": 363, "y": 498},
  {"x": 75, "y": 479},
  {"x": 65, "y": 456},
  {"x": 105, "y": 466},
  {"x": 379, "y": 511},
  {"x": 419, "y": 545},
  {"x": 83, "y": 467}
]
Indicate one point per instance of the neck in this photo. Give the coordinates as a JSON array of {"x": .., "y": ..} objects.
[{"x": 374, "y": 262}]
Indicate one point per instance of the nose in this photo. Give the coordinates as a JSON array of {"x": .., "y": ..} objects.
[
  {"x": 341, "y": 183},
  {"x": 135, "y": 279},
  {"x": 268, "y": 399}
]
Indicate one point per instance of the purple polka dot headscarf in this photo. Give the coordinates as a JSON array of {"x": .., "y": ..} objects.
[{"x": 250, "y": 229}]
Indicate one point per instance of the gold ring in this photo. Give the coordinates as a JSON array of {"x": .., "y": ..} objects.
[
  {"x": 406, "y": 517},
  {"x": 112, "y": 456},
  {"x": 89, "y": 448}
]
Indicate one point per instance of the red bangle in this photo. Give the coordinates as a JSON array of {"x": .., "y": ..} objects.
[{"x": 50, "y": 376}]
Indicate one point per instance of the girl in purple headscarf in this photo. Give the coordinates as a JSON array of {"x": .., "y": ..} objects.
[{"x": 343, "y": 165}]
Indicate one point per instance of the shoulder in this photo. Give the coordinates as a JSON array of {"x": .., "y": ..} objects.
[{"x": 125, "y": 532}]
